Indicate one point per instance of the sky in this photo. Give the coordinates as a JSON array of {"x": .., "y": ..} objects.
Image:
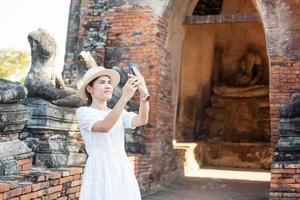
[{"x": 19, "y": 17}]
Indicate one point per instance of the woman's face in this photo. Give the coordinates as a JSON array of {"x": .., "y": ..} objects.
[{"x": 101, "y": 89}]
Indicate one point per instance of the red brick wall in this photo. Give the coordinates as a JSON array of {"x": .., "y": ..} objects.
[
  {"x": 285, "y": 183},
  {"x": 141, "y": 37},
  {"x": 284, "y": 81},
  {"x": 62, "y": 184},
  {"x": 24, "y": 164}
]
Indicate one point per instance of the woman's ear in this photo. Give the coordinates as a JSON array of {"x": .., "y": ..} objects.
[{"x": 89, "y": 89}]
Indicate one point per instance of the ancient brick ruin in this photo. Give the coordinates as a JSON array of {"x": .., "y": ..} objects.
[{"x": 194, "y": 57}]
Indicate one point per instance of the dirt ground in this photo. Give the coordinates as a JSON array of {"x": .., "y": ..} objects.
[{"x": 196, "y": 188}]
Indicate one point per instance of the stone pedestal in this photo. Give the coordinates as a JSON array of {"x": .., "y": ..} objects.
[
  {"x": 234, "y": 155},
  {"x": 236, "y": 132},
  {"x": 237, "y": 119},
  {"x": 286, "y": 160},
  {"x": 54, "y": 135},
  {"x": 288, "y": 146},
  {"x": 15, "y": 155}
]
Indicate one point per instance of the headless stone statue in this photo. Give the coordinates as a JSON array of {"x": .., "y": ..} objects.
[
  {"x": 246, "y": 82},
  {"x": 42, "y": 81},
  {"x": 291, "y": 109},
  {"x": 85, "y": 61},
  {"x": 250, "y": 71},
  {"x": 11, "y": 92}
]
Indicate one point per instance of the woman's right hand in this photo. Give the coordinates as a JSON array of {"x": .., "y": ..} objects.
[{"x": 129, "y": 89}]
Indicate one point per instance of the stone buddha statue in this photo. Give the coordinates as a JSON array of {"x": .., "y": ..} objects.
[
  {"x": 42, "y": 81},
  {"x": 292, "y": 108},
  {"x": 250, "y": 71},
  {"x": 245, "y": 83}
]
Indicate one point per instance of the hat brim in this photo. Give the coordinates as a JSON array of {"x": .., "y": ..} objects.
[{"x": 114, "y": 77}]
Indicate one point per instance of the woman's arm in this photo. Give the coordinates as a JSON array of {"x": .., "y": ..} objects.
[
  {"x": 112, "y": 117},
  {"x": 142, "y": 118}
]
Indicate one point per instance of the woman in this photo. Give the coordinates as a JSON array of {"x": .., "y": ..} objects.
[{"x": 108, "y": 174}]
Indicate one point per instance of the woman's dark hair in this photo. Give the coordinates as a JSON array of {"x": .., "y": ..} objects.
[{"x": 89, "y": 96}]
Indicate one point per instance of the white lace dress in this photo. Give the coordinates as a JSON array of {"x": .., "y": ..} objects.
[{"x": 108, "y": 174}]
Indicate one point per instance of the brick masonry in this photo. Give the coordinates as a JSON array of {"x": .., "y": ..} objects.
[
  {"x": 46, "y": 184},
  {"x": 62, "y": 183},
  {"x": 24, "y": 164},
  {"x": 284, "y": 81}
]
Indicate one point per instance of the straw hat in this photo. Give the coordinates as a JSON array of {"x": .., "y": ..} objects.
[{"x": 95, "y": 72}]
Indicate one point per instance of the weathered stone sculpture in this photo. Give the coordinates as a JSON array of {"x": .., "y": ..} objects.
[
  {"x": 241, "y": 92},
  {"x": 238, "y": 119},
  {"x": 84, "y": 62},
  {"x": 13, "y": 117},
  {"x": 75, "y": 72},
  {"x": 291, "y": 109},
  {"x": 246, "y": 82},
  {"x": 288, "y": 146},
  {"x": 42, "y": 81},
  {"x": 54, "y": 133},
  {"x": 250, "y": 70},
  {"x": 11, "y": 92}
]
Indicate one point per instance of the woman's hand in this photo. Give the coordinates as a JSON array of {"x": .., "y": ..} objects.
[
  {"x": 129, "y": 89},
  {"x": 143, "y": 90}
]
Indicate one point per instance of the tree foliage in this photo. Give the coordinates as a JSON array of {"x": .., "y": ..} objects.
[{"x": 14, "y": 64}]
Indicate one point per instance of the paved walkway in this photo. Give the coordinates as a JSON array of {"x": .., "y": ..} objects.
[{"x": 195, "y": 188}]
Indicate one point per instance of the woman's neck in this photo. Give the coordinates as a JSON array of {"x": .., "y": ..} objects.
[{"x": 101, "y": 105}]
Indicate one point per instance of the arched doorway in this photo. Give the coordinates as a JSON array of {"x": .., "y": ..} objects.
[{"x": 221, "y": 105}]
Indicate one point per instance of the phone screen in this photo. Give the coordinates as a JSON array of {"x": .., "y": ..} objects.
[{"x": 132, "y": 68}]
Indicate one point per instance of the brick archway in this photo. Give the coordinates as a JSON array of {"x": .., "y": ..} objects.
[{"x": 183, "y": 53}]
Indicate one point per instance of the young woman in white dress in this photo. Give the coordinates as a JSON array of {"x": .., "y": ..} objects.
[{"x": 108, "y": 174}]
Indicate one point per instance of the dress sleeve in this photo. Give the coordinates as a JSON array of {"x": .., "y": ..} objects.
[
  {"x": 127, "y": 118},
  {"x": 86, "y": 119}
]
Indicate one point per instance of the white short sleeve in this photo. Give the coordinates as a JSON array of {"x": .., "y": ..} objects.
[
  {"x": 86, "y": 119},
  {"x": 127, "y": 118}
]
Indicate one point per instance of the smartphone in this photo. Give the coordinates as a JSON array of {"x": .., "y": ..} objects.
[{"x": 132, "y": 68}]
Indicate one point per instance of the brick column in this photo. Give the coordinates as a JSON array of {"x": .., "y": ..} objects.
[{"x": 284, "y": 81}]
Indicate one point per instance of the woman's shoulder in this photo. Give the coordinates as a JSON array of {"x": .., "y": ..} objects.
[
  {"x": 90, "y": 109},
  {"x": 81, "y": 108},
  {"x": 84, "y": 109},
  {"x": 87, "y": 113}
]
